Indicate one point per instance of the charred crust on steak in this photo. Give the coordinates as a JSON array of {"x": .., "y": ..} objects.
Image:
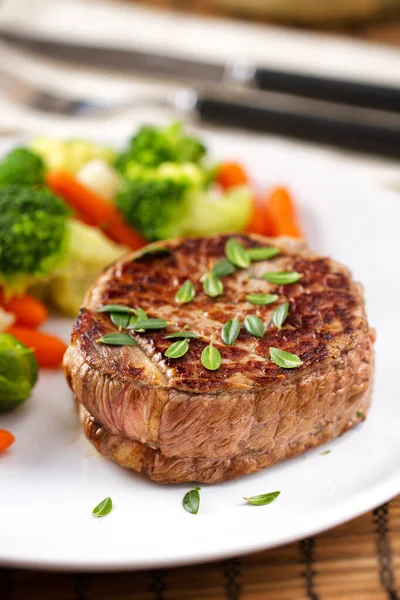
[{"x": 325, "y": 311}]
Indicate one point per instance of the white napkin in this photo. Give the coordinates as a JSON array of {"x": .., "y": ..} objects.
[{"x": 128, "y": 25}]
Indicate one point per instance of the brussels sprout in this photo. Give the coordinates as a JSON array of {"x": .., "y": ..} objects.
[{"x": 18, "y": 372}]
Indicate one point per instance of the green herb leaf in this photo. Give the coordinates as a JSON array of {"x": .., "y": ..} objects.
[
  {"x": 283, "y": 359},
  {"x": 262, "y": 253},
  {"x": 279, "y": 315},
  {"x": 254, "y": 325},
  {"x": 222, "y": 268},
  {"x": 144, "y": 324},
  {"x": 236, "y": 254},
  {"x": 211, "y": 358},
  {"x": 177, "y": 349},
  {"x": 152, "y": 250},
  {"x": 141, "y": 314},
  {"x": 116, "y": 308},
  {"x": 262, "y": 299},
  {"x": 326, "y": 452},
  {"x": 360, "y": 414},
  {"x": 212, "y": 285},
  {"x": 282, "y": 277},
  {"x": 120, "y": 319},
  {"x": 230, "y": 331},
  {"x": 117, "y": 339},
  {"x": 103, "y": 509},
  {"x": 181, "y": 335},
  {"x": 186, "y": 293},
  {"x": 263, "y": 499},
  {"x": 191, "y": 501}
]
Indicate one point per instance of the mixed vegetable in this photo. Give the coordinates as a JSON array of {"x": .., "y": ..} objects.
[{"x": 70, "y": 208}]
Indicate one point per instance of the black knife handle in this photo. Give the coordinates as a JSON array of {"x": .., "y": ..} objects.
[
  {"x": 333, "y": 90},
  {"x": 361, "y": 137}
]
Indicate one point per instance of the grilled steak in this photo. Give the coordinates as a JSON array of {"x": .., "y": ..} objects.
[{"x": 177, "y": 421}]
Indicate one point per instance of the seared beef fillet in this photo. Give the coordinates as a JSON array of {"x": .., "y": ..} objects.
[{"x": 177, "y": 421}]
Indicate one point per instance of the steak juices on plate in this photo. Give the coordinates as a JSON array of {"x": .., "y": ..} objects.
[{"x": 177, "y": 420}]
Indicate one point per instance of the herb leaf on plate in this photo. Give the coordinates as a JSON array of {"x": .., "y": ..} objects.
[
  {"x": 262, "y": 499},
  {"x": 104, "y": 508},
  {"x": 191, "y": 501}
]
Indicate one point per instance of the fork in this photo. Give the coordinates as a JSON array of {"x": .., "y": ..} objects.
[{"x": 42, "y": 100}]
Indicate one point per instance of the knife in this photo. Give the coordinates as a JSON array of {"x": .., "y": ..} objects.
[{"x": 237, "y": 73}]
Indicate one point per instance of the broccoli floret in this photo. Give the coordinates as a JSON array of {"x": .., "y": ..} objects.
[
  {"x": 23, "y": 167},
  {"x": 32, "y": 235},
  {"x": 18, "y": 372},
  {"x": 152, "y": 146},
  {"x": 89, "y": 252},
  {"x": 171, "y": 202}
]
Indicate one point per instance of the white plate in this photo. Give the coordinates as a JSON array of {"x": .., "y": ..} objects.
[{"x": 52, "y": 478}]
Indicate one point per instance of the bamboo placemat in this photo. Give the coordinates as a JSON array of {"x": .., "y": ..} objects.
[{"x": 356, "y": 561}]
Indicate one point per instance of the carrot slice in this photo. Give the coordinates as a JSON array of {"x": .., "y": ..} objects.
[
  {"x": 259, "y": 221},
  {"x": 49, "y": 350},
  {"x": 6, "y": 439},
  {"x": 94, "y": 209},
  {"x": 231, "y": 174},
  {"x": 28, "y": 310},
  {"x": 280, "y": 212}
]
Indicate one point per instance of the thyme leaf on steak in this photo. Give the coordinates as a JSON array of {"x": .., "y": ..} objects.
[
  {"x": 279, "y": 315},
  {"x": 121, "y": 320},
  {"x": 359, "y": 414},
  {"x": 149, "y": 323},
  {"x": 212, "y": 285},
  {"x": 116, "y": 308},
  {"x": 230, "y": 331},
  {"x": 186, "y": 293},
  {"x": 177, "y": 349},
  {"x": 282, "y": 277},
  {"x": 236, "y": 253},
  {"x": 103, "y": 509},
  {"x": 117, "y": 339},
  {"x": 262, "y": 253},
  {"x": 223, "y": 267},
  {"x": 152, "y": 250},
  {"x": 262, "y": 299},
  {"x": 254, "y": 325},
  {"x": 211, "y": 358},
  {"x": 262, "y": 499},
  {"x": 283, "y": 359},
  {"x": 191, "y": 501},
  {"x": 181, "y": 335}
]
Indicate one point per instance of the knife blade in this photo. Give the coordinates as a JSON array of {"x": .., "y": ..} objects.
[{"x": 238, "y": 72}]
